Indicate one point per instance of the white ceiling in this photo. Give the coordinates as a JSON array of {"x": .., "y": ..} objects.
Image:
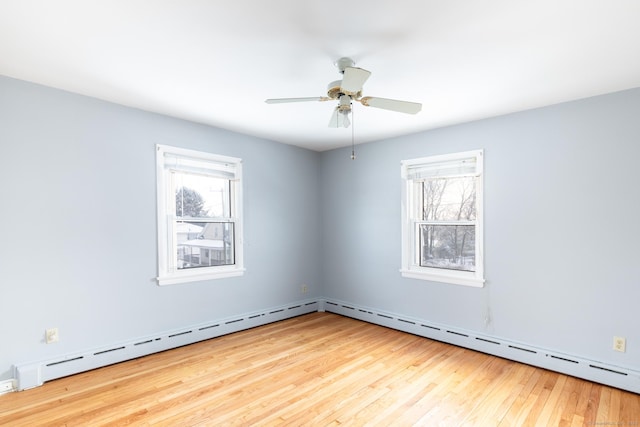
[{"x": 215, "y": 62}]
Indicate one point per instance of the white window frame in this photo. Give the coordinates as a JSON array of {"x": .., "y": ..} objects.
[
  {"x": 168, "y": 273},
  {"x": 411, "y": 216}
]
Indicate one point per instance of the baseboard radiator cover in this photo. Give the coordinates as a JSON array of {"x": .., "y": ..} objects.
[
  {"x": 34, "y": 374},
  {"x": 614, "y": 376}
]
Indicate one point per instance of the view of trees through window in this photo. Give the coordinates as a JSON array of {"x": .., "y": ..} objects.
[
  {"x": 447, "y": 229},
  {"x": 204, "y": 238},
  {"x": 189, "y": 203}
]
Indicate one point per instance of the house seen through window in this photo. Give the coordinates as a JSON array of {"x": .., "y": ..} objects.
[{"x": 199, "y": 221}]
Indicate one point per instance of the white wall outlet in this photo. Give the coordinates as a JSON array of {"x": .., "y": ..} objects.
[
  {"x": 304, "y": 289},
  {"x": 620, "y": 344},
  {"x": 7, "y": 386},
  {"x": 51, "y": 335}
]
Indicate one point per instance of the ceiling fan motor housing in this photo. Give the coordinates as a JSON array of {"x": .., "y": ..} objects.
[{"x": 334, "y": 91}]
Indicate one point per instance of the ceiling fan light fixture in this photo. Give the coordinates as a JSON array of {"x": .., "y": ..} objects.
[
  {"x": 340, "y": 118},
  {"x": 345, "y": 118},
  {"x": 345, "y": 101}
]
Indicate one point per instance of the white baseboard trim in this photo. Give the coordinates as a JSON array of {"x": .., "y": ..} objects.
[
  {"x": 34, "y": 374},
  {"x": 615, "y": 376}
]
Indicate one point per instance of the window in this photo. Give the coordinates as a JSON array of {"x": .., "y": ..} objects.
[
  {"x": 442, "y": 218},
  {"x": 199, "y": 215}
]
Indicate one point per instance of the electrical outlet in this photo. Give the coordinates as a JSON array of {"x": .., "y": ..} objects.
[
  {"x": 304, "y": 289},
  {"x": 620, "y": 344},
  {"x": 7, "y": 386},
  {"x": 51, "y": 335}
]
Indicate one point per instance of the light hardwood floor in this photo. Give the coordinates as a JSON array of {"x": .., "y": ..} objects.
[{"x": 320, "y": 369}]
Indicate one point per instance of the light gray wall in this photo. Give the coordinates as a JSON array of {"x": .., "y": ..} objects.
[
  {"x": 562, "y": 236},
  {"x": 78, "y": 224}
]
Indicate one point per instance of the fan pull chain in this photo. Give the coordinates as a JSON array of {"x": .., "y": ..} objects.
[{"x": 353, "y": 144}]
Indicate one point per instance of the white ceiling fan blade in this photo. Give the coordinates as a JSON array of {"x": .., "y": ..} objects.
[
  {"x": 286, "y": 100},
  {"x": 392, "y": 104},
  {"x": 353, "y": 80},
  {"x": 339, "y": 119}
]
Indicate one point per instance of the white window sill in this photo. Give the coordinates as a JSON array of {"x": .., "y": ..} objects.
[
  {"x": 188, "y": 276},
  {"x": 455, "y": 279}
]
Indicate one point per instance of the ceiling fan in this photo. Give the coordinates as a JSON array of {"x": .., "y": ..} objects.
[{"x": 350, "y": 89}]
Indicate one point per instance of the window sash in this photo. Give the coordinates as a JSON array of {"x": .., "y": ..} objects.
[
  {"x": 226, "y": 202},
  {"x": 189, "y": 253},
  {"x": 446, "y": 257},
  {"x": 169, "y": 161},
  {"x": 414, "y": 173}
]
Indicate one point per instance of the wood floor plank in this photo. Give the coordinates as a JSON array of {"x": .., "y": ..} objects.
[
  {"x": 320, "y": 369},
  {"x": 629, "y": 410},
  {"x": 602, "y": 414},
  {"x": 528, "y": 381}
]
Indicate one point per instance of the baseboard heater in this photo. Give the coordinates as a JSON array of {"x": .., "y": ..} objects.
[
  {"x": 615, "y": 376},
  {"x": 29, "y": 375},
  {"x": 34, "y": 374}
]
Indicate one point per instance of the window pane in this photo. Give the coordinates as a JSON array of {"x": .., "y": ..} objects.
[
  {"x": 449, "y": 199},
  {"x": 204, "y": 244},
  {"x": 448, "y": 246},
  {"x": 201, "y": 196}
]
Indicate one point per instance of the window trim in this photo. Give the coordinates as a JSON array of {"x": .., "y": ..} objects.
[
  {"x": 167, "y": 277},
  {"x": 410, "y": 268}
]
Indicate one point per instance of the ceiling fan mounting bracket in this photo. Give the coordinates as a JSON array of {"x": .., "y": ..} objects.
[{"x": 344, "y": 63}]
